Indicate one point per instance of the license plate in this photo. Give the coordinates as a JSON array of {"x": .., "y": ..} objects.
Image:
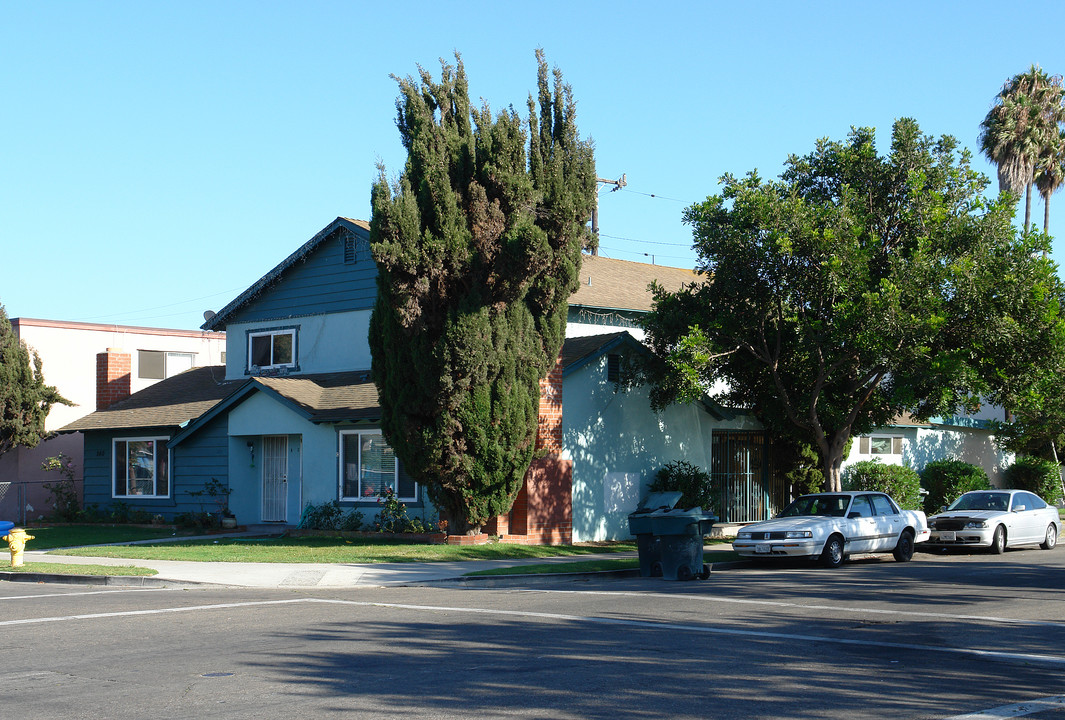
[
  {"x": 947, "y": 535},
  {"x": 762, "y": 549}
]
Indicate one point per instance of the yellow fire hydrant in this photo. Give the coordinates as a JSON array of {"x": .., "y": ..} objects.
[{"x": 16, "y": 543}]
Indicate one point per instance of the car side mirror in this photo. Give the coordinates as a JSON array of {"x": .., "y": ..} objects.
[
  {"x": 854, "y": 515},
  {"x": 942, "y": 508}
]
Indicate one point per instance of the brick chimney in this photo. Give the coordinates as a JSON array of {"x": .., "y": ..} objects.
[{"x": 113, "y": 369}]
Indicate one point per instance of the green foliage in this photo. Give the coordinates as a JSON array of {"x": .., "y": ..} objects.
[
  {"x": 331, "y": 516},
  {"x": 945, "y": 480},
  {"x": 1036, "y": 475},
  {"x": 855, "y": 288},
  {"x": 24, "y": 398},
  {"x": 900, "y": 482},
  {"x": 478, "y": 247},
  {"x": 63, "y": 494},
  {"x": 192, "y": 520},
  {"x": 799, "y": 464},
  {"x": 691, "y": 480}
]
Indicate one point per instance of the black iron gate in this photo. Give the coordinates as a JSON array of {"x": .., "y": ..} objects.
[{"x": 741, "y": 471}]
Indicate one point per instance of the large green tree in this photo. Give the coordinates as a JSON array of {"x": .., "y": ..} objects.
[
  {"x": 1020, "y": 128},
  {"x": 855, "y": 288},
  {"x": 478, "y": 246},
  {"x": 24, "y": 398}
]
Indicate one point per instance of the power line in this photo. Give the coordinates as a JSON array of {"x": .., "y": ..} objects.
[
  {"x": 646, "y": 242},
  {"x": 654, "y": 195}
]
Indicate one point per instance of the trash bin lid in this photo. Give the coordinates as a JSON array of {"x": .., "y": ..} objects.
[
  {"x": 659, "y": 500},
  {"x": 5, "y": 526}
]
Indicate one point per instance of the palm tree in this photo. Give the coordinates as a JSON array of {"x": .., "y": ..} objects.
[
  {"x": 1050, "y": 174},
  {"x": 1022, "y": 123}
]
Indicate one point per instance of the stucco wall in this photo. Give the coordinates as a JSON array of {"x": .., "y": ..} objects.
[
  {"x": 617, "y": 444},
  {"x": 922, "y": 445}
]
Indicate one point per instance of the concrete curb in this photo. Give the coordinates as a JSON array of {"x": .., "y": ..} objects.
[{"x": 112, "y": 580}]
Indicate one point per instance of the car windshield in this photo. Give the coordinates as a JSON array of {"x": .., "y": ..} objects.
[
  {"x": 981, "y": 501},
  {"x": 823, "y": 505}
]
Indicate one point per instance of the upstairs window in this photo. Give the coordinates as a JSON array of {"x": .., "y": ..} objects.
[
  {"x": 141, "y": 467},
  {"x": 272, "y": 349},
  {"x": 159, "y": 364}
]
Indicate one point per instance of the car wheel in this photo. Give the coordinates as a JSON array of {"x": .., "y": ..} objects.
[
  {"x": 1051, "y": 538},
  {"x": 998, "y": 541},
  {"x": 904, "y": 549},
  {"x": 832, "y": 556}
]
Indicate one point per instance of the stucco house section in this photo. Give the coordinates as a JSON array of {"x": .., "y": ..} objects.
[
  {"x": 616, "y": 442},
  {"x": 914, "y": 444},
  {"x": 91, "y": 364}
]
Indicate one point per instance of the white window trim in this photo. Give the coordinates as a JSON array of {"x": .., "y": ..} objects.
[
  {"x": 891, "y": 440},
  {"x": 340, "y": 470},
  {"x": 271, "y": 333},
  {"x": 155, "y": 480}
]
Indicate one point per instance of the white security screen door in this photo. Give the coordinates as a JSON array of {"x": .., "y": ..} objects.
[{"x": 275, "y": 478}]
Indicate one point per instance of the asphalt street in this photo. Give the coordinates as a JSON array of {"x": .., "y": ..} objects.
[{"x": 939, "y": 637}]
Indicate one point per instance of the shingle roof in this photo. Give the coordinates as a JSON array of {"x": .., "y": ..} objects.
[
  {"x": 622, "y": 285},
  {"x": 168, "y": 403},
  {"x": 329, "y": 397}
]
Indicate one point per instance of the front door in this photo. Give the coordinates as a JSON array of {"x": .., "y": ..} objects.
[{"x": 275, "y": 478}]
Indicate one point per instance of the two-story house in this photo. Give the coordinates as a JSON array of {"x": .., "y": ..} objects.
[{"x": 292, "y": 418}]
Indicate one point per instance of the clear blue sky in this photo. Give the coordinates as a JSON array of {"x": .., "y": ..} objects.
[{"x": 158, "y": 158}]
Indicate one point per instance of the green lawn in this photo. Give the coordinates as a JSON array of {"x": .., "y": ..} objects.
[
  {"x": 77, "y": 569},
  {"x": 335, "y": 550},
  {"x": 59, "y": 536}
]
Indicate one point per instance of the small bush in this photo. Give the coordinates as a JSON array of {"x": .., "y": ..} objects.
[
  {"x": 331, "y": 516},
  {"x": 691, "y": 480},
  {"x": 1035, "y": 475},
  {"x": 197, "y": 520},
  {"x": 900, "y": 482},
  {"x": 946, "y": 480}
]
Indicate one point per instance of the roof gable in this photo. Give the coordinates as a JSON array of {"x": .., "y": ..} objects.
[{"x": 321, "y": 281}]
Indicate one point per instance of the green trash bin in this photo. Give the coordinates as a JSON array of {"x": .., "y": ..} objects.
[
  {"x": 680, "y": 536},
  {"x": 648, "y": 546}
]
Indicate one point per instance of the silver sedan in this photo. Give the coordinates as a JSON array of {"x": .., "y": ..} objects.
[{"x": 995, "y": 519}]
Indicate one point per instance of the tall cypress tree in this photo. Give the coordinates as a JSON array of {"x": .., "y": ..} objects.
[
  {"x": 478, "y": 247},
  {"x": 24, "y": 398}
]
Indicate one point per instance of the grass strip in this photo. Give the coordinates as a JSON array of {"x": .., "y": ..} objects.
[
  {"x": 48, "y": 568},
  {"x": 335, "y": 550}
]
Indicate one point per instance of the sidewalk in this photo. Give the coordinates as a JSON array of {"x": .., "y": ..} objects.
[{"x": 291, "y": 575}]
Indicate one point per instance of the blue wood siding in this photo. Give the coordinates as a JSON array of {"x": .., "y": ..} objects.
[
  {"x": 192, "y": 464},
  {"x": 319, "y": 283}
]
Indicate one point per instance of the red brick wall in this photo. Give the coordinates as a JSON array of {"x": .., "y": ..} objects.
[
  {"x": 549, "y": 433},
  {"x": 113, "y": 369}
]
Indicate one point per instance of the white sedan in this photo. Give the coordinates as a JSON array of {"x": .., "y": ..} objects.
[
  {"x": 831, "y": 526},
  {"x": 996, "y": 519}
]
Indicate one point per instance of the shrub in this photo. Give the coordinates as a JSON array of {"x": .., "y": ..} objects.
[
  {"x": 1035, "y": 475},
  {"x": 393, "y": 515},
  {"x": 331, "y": 516},
  {"x": 64, "y": 495},
  {"x": 691, "y": 480},
  {"x": 945, "y": 480},
  {"x": 197, "y": 520},
  {"x": 900, "y": 482}
]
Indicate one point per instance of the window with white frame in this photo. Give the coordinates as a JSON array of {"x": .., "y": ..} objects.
[
  {"x": 880, "y": 445},
  {"x": 141, "y": 467},
  {"x": 368, "y": 466},
  {"x": 272, "y": 349},
  {"x": 159, "y": 364}
]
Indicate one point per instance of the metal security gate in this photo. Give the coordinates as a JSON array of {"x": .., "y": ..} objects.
[
  {"x": 275, "y": 478},
  {"x": 740, "y": 470}
]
